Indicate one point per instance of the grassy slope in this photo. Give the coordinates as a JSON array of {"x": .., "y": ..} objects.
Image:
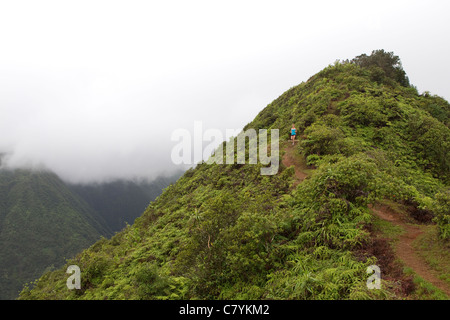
[
  {"x": 225, "y": 231},
  {"x": 417, "y": 249}
]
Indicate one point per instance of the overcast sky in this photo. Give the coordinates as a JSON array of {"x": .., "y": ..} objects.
[{"x": 94, "y": 89}]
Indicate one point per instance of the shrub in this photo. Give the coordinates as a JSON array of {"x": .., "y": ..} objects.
[
  {"x": 321, "y": 139},
  {"x": 150, "y": 283},
  {"x": 442, "y": 211}
]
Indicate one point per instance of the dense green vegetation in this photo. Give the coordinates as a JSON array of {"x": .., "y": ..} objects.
[
  {"x": 44, "y": 221},
  {"x": 227, "y": 232},
  {"x": 41, "y": 224}
]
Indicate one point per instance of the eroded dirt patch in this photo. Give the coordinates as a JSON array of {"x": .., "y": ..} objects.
[{"x": 404, "y": 249}]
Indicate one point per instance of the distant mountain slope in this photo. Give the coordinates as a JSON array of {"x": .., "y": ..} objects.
[
  {"x": 120, "y": 202},
  {"x": 41, "y": 223},
  {"x": 224, "y": 231}
]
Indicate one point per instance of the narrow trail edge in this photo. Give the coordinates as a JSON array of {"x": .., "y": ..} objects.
[{"x": 405, "y": 251}]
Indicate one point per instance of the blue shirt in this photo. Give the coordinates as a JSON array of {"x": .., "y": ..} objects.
[{"x": 293, "y": 132}]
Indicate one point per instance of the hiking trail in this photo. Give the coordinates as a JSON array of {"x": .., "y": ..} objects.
[
  {"x": 404, "y": 249},
  {"x": 290, "y": 159}
]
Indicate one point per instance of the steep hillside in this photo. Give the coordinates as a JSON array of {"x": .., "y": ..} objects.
[
  {"x": 121, "y": 201},
  {"x": 224, "y": 231},
  {"x": 41, "y": 223}
]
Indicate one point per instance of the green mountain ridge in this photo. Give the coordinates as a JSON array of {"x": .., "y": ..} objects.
[
  {"x": 119, "y": 202},
  {"x": 45, "y": 220},
  {"x": 41, "y": 223},
  {"x": 224, "y": 231}
]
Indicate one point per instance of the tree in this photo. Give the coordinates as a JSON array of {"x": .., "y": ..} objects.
[{"x": 387, "y": 61}]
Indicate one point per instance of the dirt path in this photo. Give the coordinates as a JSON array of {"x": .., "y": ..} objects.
[
  {"x": 405, "y": 250},
  {"x": 290, "y": 160}
]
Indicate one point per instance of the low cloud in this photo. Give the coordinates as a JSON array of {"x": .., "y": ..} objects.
[{"x": 93, "y": 91}]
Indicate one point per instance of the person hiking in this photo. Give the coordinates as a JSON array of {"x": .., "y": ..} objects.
[{"x": 293, "y": 133}]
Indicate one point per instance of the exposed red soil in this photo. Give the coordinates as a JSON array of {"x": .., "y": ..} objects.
[
  {"x": 380, "y": 248},
  {"x": 290, "y": 160},
  {"x": 404, "y": 247},
  {"x": 391, "y": 269}
]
